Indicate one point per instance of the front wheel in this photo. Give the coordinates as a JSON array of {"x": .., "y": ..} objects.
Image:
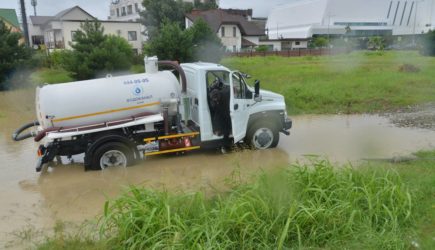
[
  {"x": 112, "y": 154},
  {"x": 263, "y": 135}
]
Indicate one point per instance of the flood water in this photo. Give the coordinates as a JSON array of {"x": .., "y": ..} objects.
[{"x": 67, "y": 193}]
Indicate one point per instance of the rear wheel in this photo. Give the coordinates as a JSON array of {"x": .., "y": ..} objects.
[
  {"x": 112, "y": 154},
  {"x": 263, "y": 135}
]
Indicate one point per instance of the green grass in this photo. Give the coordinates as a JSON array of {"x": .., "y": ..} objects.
[
  {"x": 374, "y": 206},
  {"x": 50, "y": 75},
  {"x": 360, "y": 82},
  {"x": 137, "y": 69}
]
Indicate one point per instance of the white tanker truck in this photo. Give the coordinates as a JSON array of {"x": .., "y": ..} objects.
[{"x": 115, "y": 121}]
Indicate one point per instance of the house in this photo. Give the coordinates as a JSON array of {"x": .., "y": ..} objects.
[
  {"x": 129, "y": 10},
  {"x": 295, "y": 23},
  {"x": 57, "y": 32},
  {"x": 233, "y": 27},
  {"x": 9, "y": 17}
]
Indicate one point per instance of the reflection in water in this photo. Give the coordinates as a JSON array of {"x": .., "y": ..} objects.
[{"x": 68, "y": 193}]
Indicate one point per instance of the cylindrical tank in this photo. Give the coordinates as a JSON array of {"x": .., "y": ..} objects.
[{"x": 103, "y": 100}]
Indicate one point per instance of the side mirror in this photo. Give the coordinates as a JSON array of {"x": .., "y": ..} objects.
[
  {"x": 246, "y": 76},
  {"x": 257, "y": 96},
  {"x": 257, "y": 88}
]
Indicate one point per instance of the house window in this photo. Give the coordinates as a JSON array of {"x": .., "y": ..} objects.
[
  {"x": 297, "y": 43},
  {"x": 117, "y": 12},
  {"x": 130, "y": 9},
  {"x": 136, "y": 7},
  {"x": 132, "y": 36},
  {"x": 223, "y": 31},
  {"x": 73, "y": 35},
  {"x": 234, "y": 48},
  {"x": 234, "y": 32},
  {"x": 123, "y": 12}
]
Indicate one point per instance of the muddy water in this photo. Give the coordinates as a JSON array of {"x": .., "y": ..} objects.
[{"x": 67, "y": 193}]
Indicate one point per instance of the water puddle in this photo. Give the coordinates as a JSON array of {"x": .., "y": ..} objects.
[{"x": 68, "y": 193}]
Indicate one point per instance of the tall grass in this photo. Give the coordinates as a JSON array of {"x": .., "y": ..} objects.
[
  {"x": 359, "y": 82},
  {"x": 302, "y": 206}
]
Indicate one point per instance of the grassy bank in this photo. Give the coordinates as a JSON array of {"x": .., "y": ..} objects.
[
  {"x": 359, "y": 82},
  {"x": 375, "y": 206},
  {"x": 50, "y": 75}
]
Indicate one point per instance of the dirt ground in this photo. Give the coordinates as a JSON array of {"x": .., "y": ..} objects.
[{"x": 422, "y": 116}]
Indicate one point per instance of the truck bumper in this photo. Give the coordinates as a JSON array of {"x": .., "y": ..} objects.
[
  {"x": 288, "y": 124},
  {"x": 45, "y": 155}
]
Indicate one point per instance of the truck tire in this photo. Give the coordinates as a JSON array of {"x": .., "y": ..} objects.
[
  {"x": 112, "y": 154},
  {"x": 263, "y": 135}
]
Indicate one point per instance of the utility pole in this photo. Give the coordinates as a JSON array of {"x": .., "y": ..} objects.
[
  {"x": 34, "y": 3},
  {"x": 24, "y": 20}
]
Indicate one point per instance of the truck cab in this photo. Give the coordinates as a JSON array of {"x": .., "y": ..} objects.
[{"x": 257, "y": 116}]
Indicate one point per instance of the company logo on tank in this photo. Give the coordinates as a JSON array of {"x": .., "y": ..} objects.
[{"x": 137, "y": 90}]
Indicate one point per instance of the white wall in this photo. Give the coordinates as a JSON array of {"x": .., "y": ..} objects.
[
  {"x": 112, "y": 28},
  {"x": 76, "y": 14},
  {"x": 299, "y": 18},
  {"x": 253, "y": 39},
  {"x": 229, "y": 40}
]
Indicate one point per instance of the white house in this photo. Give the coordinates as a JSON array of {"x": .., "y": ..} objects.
[
  {"x": 57, "y": 32},
  {"x": 129, "y": 10},
  {"x": 231, "y": 26},
  {"x": 300, "y": 20}
]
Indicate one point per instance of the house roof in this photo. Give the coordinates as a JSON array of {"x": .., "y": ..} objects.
[
  {"x": 246, "y": 42},
  {"x": 41, "y": 20},
  {"x": 10, "y": 16},
  {"x": 217, "y": 17}
]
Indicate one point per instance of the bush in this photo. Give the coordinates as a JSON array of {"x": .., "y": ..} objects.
[
  {"x": 262, "y": 48},
  {"x": 376, "y": 43},
  {"x": 307, "y": 206},
  {"x": 93, "y": 53},
  {"x": 12, "y": 53},
  {"x": 408, "y": 68},
  {"x": 428, "y": 44},
  {"x": 320, "y": 42},
  {"x": 198, "y": 43}
]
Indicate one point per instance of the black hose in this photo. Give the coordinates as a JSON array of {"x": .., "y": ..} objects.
[{"x": 16, "y": 136}]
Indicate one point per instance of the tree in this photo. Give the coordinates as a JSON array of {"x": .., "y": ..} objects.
[
  {"x": 159, "y": 12},
  {"x": 12, "y": 53},
  {"x": 210, "y": 4},
  {"x": 171, "y": 43},
  {"x": 207, "y": 45},
  {"x": 94, "y": 52},
  {"x": 320, "y": 42},
  {"x": 198, "y": 43},
  {"x": 428, "y": 44}
]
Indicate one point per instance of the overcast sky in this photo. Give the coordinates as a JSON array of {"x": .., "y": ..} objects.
[{"x": 100, "y": 8}]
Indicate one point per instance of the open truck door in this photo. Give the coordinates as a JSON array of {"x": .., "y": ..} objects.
[{"x": 238, "y": 106}]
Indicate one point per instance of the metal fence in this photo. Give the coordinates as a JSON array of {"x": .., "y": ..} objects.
[{"x": 290, "y": 53}]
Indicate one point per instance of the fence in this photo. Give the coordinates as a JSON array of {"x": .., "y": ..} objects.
[{"x": 290, "y": 53}]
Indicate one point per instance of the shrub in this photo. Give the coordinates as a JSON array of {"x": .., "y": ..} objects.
[
  {"x": 428, "y": 44},
  {"x": 93, "y": 52},
  {"x": 320, "y": 42},
  {"x": 409, "y": 68},
  {"x": 306, "y": 206},
  {"x": 262, "y": 48},
  {"x": 12, "y": 53},
  {"x": 198, "y": 43}
]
